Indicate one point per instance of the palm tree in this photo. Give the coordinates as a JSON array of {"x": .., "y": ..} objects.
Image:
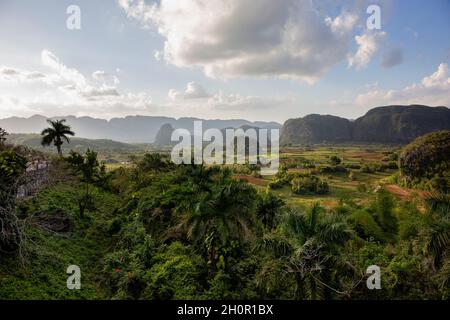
[
  {"x": 437, "y": 244},
  {"x": 268, "y": 207},
  {"x": 224, "y": 214},
  {"x": 307, "y": 245},
  {"x": 56, "y": 133}
]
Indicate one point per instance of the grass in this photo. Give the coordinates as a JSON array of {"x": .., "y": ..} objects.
[
  {"x": 41, "y": 274},
  {"x": 341, "y": 185}
]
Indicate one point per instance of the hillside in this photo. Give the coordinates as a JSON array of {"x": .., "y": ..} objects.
[
  {"x": 389, "y": 124},
  {"x": 316, "y": 129},
  {"x": 76, "y": 144},
  {"x": 163, "y": 137},
  {"x": 400, "y": 124}
]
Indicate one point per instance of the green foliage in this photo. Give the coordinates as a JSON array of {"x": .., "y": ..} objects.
[
  {"x": 174, "y": 275},
  {"x": 268, "y": 207},
  {"x": 153, "y": 161},
  {"x": 309, "y": 185},
  {"x": 160, "y": 231},
  {"x": 334, "y": 160},
  {"x": 384, "y": 206},
  {"x": 427, "y": 158},
  {"x": 3, "y": 135},
  {"x": 56, "y": 133},
  {"x": 365, "y": 225},
  {"x": 91, "y": 172},
  {"x": 12, "y": 164}
]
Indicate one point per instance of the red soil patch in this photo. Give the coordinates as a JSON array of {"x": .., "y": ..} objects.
[
  {"x": 252, "y": 180},
  {"x": 365, "y": 155}
]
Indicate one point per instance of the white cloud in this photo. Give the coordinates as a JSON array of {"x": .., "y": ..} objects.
[
  {"x": 63, "y": 73},
  {"x": 368, "y": 44},
  {"x": 102, "y": 76},
  {"x": 234, "y": 38},
  {"x": 12, "y": 74},
  {"x": 63, "y": 90},
  {"x": 99, "y": 92},
  {"x": 158, "y": 55},
  {"x": 433, "y": 90},
  {"x": 99, "y": 75},
  {"x": 441, "y": 78},
  {"x": 251, "y": 103},
  {"x": 193, "y": 91}
]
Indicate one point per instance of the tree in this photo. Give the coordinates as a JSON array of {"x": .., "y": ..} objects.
[
  {"x": 384, "y": 207},
  {"x": 307, "y": 245},
  {"x": 12, "y": 165},
  {"x": 91, "y": 172},
  {"x": 56, "y": 133},
  {"x": 267, "y": 208},
  {"x": 437, "y": 244},
  {"x": 219, "y": 217},
  {"x": 3, "y": 135}
]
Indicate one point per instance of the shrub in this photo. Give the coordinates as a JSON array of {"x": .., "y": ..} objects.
[
  {"x": 309, "y": 185},
  {"x": 365, "y": 225},
  {"x": 334, "y": 160},
  {"x": 278, "y": 184},
  {"x": 362, "y": 187}
]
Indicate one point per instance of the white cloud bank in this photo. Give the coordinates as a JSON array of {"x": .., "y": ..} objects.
[
  {"x": 234, "y": 38},
  {"x": 433, "y": 90},
  {"x": 61, "y": 90}
]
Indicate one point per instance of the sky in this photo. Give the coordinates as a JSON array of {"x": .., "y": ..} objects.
[{"x": 221, "y": 59}]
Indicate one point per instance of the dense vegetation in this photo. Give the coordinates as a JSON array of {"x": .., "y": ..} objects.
[
  {"x": 155, "y": 230},
  {"x": 425, "y": 162}
]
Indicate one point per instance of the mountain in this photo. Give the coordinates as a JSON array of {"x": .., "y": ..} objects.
[
  {"x": 388, "y": 124},
  {"x": 164, "y": 135},
  {"x": 400, "y": 124},
  {"x": 316, "y": 128},
  {"x": 76, "y": 144},
  {"x": 131, "y": 129}
]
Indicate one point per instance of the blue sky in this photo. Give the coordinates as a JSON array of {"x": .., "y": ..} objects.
[{"x": 264, "y": 60}]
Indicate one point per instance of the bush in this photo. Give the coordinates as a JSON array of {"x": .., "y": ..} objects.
[
  {"x": 332, "y": 169},
  {"x": 365, "y": 225},
  {"x": 334, "y": 160},
  {"x": 309, "y": 185},
  {"x": 362, "y": 187},
  {"x": 278, "y": 183}
]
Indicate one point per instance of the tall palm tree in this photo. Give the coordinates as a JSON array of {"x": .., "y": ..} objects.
[
  {"x": 438, "y": 232},
  {"x": 56, "y": 133},
  {"x": 268, "y": 207},
  {"x": 307, "y": 244}
]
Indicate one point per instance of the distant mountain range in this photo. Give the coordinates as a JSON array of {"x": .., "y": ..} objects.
[
  {"x": 389, "y": 124},
  {"x": 131, "y": 129},
  {"x": 164, "y": 135}
]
